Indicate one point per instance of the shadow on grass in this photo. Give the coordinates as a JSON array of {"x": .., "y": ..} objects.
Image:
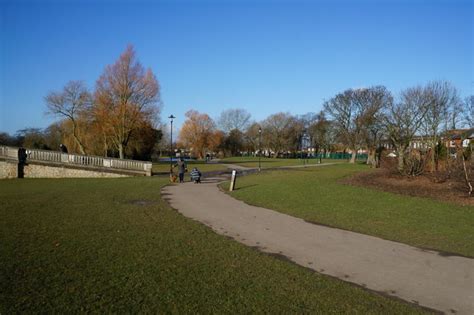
[{"x": 245, "y": 187}]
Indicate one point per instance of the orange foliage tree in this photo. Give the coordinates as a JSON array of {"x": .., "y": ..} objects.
[
  {"x": 199, "y": 133},
  {"x": 126, "y": 98}
]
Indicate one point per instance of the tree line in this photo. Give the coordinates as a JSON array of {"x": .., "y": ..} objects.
[
  {"x": 120, "y": 117},
  {"x": 354, "y": 119}
]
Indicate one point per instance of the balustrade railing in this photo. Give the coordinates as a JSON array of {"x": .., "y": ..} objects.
[{"x": 79, "y": 160}]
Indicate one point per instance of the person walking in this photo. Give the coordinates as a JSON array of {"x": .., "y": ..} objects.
[{"x": 181, "y": 169}]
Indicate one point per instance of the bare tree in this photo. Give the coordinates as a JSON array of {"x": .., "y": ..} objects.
[
  {"x": 469, "y": 111},
  {"x": 275, "y": 131},
  {"x": 126, "y": 97},
  {"x": 444, "y": 100},
  {"x": 231, "y": 119},
  {"x": 348, "y": 116},
  {"x": 71, "y": 103},
  {"x": 252, "y": 138},
  {"x": 371, "y": 103},
  {"x": 319, "y": 130},
  {"x": 404, "y": 118}
]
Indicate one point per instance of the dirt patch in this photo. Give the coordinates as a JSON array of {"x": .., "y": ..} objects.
[
  {"x": 141, "y": 202},
  {"x": 420, "y": 186}
]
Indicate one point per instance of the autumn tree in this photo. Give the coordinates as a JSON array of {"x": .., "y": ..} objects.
[
  {"x": 198, "y": 132},
  {"x": 126, "y": 97},
  {"x": 72, "y": 103},
  {"x": 231, "y": 119}
]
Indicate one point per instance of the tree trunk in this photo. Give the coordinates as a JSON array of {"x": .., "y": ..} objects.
[
  {"x": 106, "y": 147},
  {"x": 120, "y": 148},
  {"x": 401, "y": 160},
  {"x": 466, "y": 174},
  {"x": 353, "y": 157},
  {"x": 371, "y": 160},
  {"x": 434, "y": 156},
  {"x": 76, "y": 138}
]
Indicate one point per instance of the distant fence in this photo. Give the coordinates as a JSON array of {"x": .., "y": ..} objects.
[
  {"x": 78, "y": 160},
  {"x": 340, "y": 156}
]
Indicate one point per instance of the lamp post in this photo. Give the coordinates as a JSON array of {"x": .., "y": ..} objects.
[
  {"x": 259, "y": 148},
  {"x": 303, "y": 143},
  {"x": 171, "y": 117}
]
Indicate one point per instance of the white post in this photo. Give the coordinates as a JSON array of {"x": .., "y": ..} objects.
[{"x": 232, "y": 180}]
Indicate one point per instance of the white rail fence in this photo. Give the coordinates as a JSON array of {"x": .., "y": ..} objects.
[{"x": 78, "y": 160}]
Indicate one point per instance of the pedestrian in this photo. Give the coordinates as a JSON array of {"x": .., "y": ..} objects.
[
  {"x": 195, "y": 175},
  {"x": 63, "y": 148},
  {"x": 181, "y": 169}
]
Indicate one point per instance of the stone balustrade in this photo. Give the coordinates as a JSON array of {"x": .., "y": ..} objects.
[{"x": 86, "y": 161}]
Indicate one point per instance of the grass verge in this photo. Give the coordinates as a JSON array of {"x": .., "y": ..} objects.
[
  {"x": 112, "y": 245},
  {"x": 315, "y": 194},
  {"x": 274, "y": 162}
]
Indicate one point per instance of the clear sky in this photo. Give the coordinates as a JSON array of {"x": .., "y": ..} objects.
[{"x": 263, "y": 56}]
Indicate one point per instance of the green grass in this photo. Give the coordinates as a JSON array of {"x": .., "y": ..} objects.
[
  {"x": 113, "y": 246},
  {"x": 273, "y": 162},
  {"x": 314, "y": 194},
  {"x": 201, "y": 165}
]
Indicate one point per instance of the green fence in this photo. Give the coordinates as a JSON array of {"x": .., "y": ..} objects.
[{"x": 339, "y": 156}]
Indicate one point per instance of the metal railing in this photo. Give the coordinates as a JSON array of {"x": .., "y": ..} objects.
[{"x": 78, "y": 160}]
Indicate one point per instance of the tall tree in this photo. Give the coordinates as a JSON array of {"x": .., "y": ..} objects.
[
  {"x": 469, "y": 111},
  {"x": 347, "y": 116},
  {"x": 231, "y": 119},
  {"x": 126, "y": 96},
  {"x": 252, "y": 138},
  {"x": 72, "y": 103},
  {"x": 372, "y": 102},
  {"x": 275, "y": 132},
  {"x": 233, "y": 142},
  {"x": 319, "y": 132},
  {"x": 443, "y": 99},
  {"x": 198, "y": 132},
  {"x": 404, "y": 119}
]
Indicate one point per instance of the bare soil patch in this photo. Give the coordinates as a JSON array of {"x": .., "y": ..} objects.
[{"x": 419, "y": 186}]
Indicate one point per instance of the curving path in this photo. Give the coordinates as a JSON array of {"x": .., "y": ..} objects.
[{"x": 427, "y": 278}]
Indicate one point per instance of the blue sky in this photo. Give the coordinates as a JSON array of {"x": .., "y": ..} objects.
[{"x": 263, "y": 56}]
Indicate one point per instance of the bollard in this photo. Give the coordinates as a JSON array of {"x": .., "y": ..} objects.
[{"x": 232, "y": 180}]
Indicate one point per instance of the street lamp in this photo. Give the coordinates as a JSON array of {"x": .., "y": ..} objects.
[
  {"x": 171, "y": 117},
  {"x": 259, "y": 148},
  {"x": 303, "y": 143}
]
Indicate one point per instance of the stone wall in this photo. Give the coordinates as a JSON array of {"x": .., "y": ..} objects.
[{"x": 9, "y": 169}]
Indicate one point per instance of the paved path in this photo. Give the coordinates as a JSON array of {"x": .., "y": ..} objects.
[{"x": 419, "y": 276}]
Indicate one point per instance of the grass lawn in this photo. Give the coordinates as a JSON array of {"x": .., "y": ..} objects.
[
  {"x": 274, "y": 162},
  {"x": 112, "y": 245},
  {"x": 314, "y": 194},
  {"x": 201, "y": 165}
]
